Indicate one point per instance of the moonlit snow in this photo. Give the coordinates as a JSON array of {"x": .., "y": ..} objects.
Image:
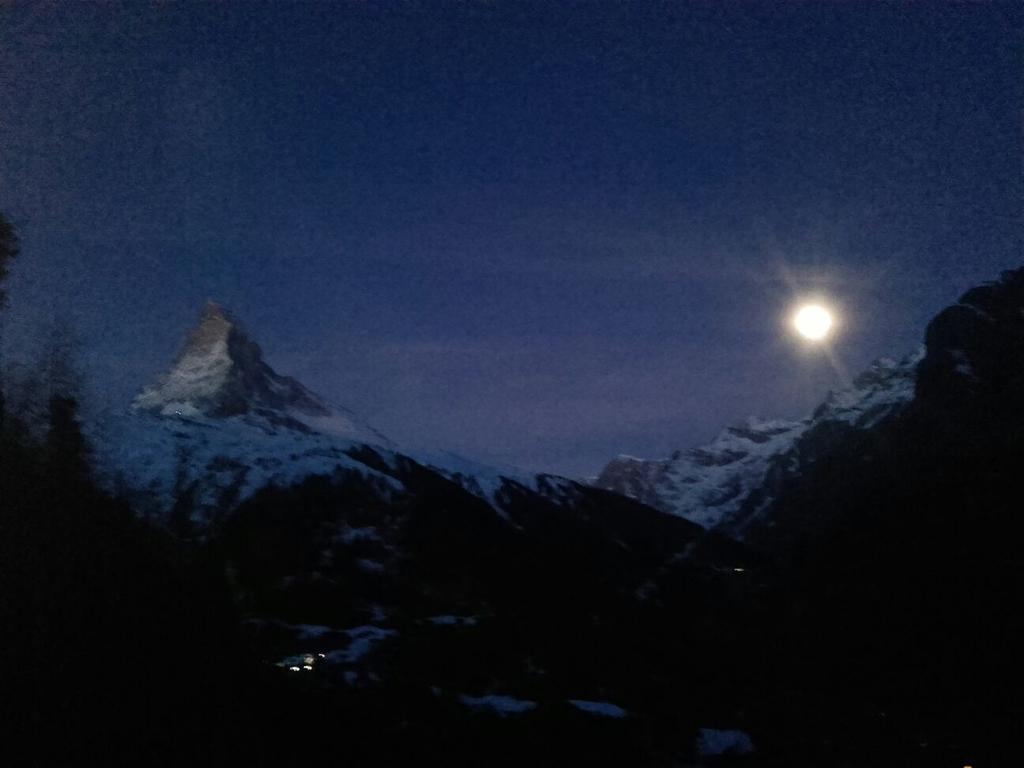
[
  {"x": 601, "y": 708},
  {"x": 712, "y": 742},
  {"x": 500, "y": 705}
]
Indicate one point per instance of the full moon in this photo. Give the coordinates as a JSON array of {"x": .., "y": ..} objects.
[{"x": 813, "y": 322}]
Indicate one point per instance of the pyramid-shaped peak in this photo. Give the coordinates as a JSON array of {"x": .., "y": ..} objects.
[
  {"x": 220, "y": 372},
  {"x": 215, "y": 324},
  {"x": 214, "y": 307},
  {"x": 216, "y": 313}
]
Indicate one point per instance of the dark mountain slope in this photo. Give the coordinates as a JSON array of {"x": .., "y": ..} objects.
[{"x": 900, "y": 567}]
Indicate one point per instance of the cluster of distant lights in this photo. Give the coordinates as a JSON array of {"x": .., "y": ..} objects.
[{"x": 307, "y": 663}]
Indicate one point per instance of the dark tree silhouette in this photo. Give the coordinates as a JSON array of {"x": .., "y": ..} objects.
[
  {"x": 65, "y": 444},
  {"x": 67, "y": 452},
  {"x": 8, "y": 250}
]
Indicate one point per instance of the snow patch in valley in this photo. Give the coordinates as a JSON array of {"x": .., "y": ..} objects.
[
  {"x": 311, "y": 631},
  {"x": 448, "y": 620},
  {"x": 601, "y": 708},
  {"x": 361, "y": 642},
  {"x": 501, "y": 705},
  {"x": 370, "y": 566},
  {"x": 712, "y": 742},
  {"x": 350, "y": 535}
]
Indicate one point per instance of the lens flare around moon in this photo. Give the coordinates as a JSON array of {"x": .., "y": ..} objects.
[{"x": 813, "y": 322}]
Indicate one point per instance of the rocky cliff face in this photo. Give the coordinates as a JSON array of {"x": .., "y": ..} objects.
[
  {"x": 220, "y": 372},
  {"x": 976, "y": 346},
  {"x": 898, "y": 548},
  {"x": 708, "y": 484},
  {"x": 729, "y": 482}
]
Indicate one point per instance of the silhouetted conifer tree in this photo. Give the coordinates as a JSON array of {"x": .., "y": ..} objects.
[
  {"x": 8, "y": 250},
  {"x": 66, "y": 450}
]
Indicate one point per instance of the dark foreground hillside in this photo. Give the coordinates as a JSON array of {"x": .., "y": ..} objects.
[
  {"x": 900, "y": 560},
  {"x": 872, "y": 623},
  {"x": 126, "y": 645}
]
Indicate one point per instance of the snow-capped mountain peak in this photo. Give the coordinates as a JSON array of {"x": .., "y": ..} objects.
[
  {"x": 706, "y": 484},
  {"x": 221, "y": 424},
  {"x": 220, "y": 373},
  {"x": 887, "y": 383},
  {"x": 727, "y": 482}
]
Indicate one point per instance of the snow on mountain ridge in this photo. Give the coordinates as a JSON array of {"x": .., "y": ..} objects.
[
  {"x": 706, "y": 484},
  {"x": 214, "y": 462},
  {"x": 723, "y": 483},
  {"x": 885, "y": 384},
  {"x": 222, "y": 424}
]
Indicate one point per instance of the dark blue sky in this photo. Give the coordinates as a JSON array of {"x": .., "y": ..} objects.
[{"x": 533, "y": 233}]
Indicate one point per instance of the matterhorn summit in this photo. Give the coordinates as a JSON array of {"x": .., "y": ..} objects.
[
  {"x": 220, "y": 373},
  {"x": 220, "y": 425}
]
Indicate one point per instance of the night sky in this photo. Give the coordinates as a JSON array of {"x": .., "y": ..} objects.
[{"x": 532, "y": 234}]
